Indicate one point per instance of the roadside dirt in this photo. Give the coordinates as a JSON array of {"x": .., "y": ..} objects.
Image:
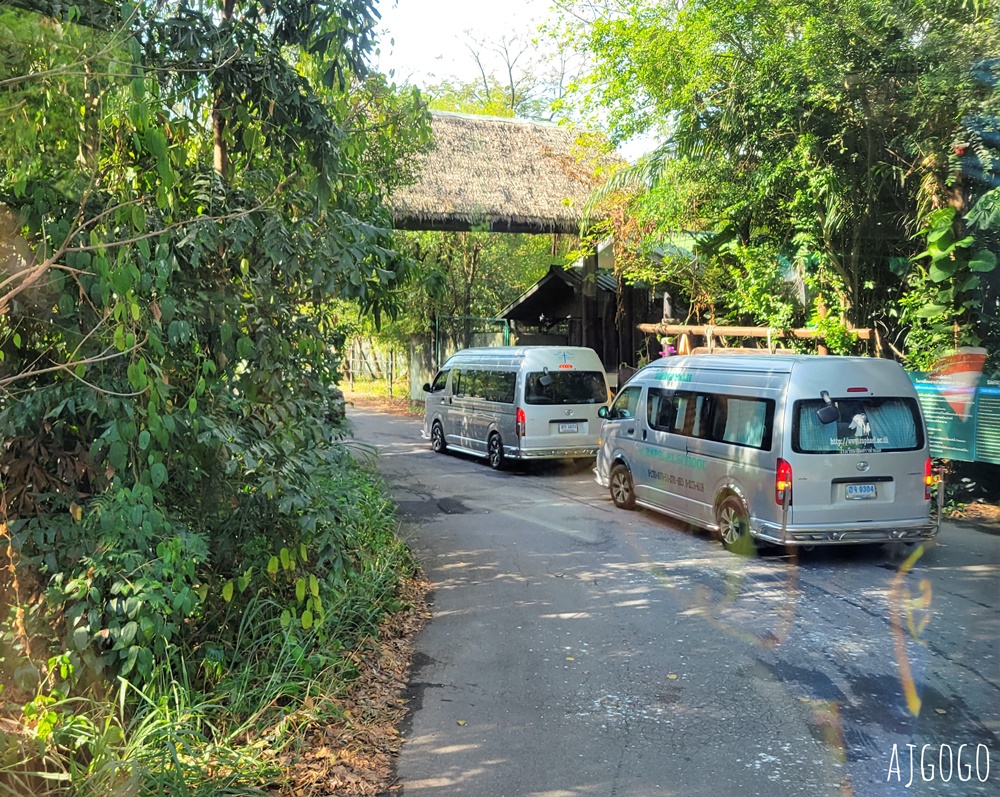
[
  {"x": 357, "y": 756},
  {"x": 395, "y": 406}
]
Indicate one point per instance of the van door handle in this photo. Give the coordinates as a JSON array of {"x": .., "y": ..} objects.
[
  {"x": 643, "y": 434},
  {"x": 630, "y": 430}
]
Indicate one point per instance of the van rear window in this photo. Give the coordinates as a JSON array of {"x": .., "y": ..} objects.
[
  {"x": 867, "y": 425},
  {"x": 565, "y": 387}
]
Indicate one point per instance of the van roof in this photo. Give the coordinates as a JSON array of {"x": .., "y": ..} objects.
[
  {"x": 544, "y": 355},
  {"x": 775, "y": 363},
  {"x": 520, "y": 351}
]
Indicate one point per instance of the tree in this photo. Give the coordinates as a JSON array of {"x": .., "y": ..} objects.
[
  {"x": 517, "y": 77},
  {"x": 189, "y": 186},
  {"x": 818, "y": 135}
]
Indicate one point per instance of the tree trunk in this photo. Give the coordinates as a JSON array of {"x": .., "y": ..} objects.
[{"x": 219, "y": 113}]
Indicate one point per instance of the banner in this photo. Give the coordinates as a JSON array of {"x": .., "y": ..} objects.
[{"x": 961, "y": 406}]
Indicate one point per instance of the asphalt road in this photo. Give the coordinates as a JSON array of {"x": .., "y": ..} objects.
[{"x": 577, "y": 649}]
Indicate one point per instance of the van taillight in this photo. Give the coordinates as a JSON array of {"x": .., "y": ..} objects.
[
  {"x": 783, "y": 483},
  {"x": 928, "y": 478},
  {"x": 521, "y": 419}
]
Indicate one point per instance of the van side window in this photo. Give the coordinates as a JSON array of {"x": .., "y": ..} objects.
[
  {"x": 626, "y": 404},
  {"x": 738, "y": 420},
  {"x": 471, "y": 383},
  {"x": 660, "y": 409},
  {"x": 499, "y": 386},
  {"x": 742, "y": 421},
  {"x": 440, "y": 382}
]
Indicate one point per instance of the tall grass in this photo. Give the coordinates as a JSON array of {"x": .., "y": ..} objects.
[{"x": 218, "y": 724}]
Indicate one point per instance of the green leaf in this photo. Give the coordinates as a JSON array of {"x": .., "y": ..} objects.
[
  {"x": 286, "y": 618},
  {"x": 81, "y": 638},
  {"x": 970, "y": 284},
  {"x": 930, "y": 311},
  {"x": 300, "y": 589},
  {"x": 227, "y": 591},
  {"x": 129, "y": 631},
  {"x": 984, "y": 261},
  {"x": 286, "y": 560},
  {"x": 272, "y": 566},
  {"x": 158, "y": 474},
  {"x": 133, "y": 654},
  {"x": 144, "y": 439},
  {"x": 307, "y": 619},
  {"x": 156, "y": 142},
  {"x": 303, "y": 553},
  {"x": 314, "y": 585},
  {"x": 941, "y": 270}
]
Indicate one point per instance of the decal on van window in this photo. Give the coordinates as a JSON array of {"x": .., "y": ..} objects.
[{"x": 868, "y": 425}]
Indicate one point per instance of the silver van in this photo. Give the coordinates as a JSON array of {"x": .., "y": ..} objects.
[
  {"x": 791, "y": 450},
  {"x": 517, "y": 402}
]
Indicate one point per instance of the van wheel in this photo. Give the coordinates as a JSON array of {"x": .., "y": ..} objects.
[
  {"x": 438, "y": 445},
  {"x": 622, "y": 489},
  {"x": 734, "y": 526},
  {"x": 494, "y": 451}
]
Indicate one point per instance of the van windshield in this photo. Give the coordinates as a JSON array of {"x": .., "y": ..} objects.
[
  {"x": 865, "y": 425},
  {"x": 566, "y": 387}
]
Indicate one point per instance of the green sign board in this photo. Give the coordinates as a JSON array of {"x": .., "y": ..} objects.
[{"x": 963, "y": 419}]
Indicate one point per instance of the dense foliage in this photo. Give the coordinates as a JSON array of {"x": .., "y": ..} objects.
[
  {"x": 817, "y": 148},
  {"x": 184, "y": 188}
]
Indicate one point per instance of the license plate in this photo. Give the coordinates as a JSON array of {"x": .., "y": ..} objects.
[
  {"x": 568, "y": 427},
  {"x": 858, "y": 491}
]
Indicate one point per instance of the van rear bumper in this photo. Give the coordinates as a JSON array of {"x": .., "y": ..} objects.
[
  {"x": 825, "y": 534},
  {"x": 551, "y": 453}
]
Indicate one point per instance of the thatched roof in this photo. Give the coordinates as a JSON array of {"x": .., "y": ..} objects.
[{"x": 515, "y": 175}]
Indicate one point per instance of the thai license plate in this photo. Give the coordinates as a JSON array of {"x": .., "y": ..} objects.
[
  {"x": 568, "y": 427},
  {"x": 858, "y": 491}
]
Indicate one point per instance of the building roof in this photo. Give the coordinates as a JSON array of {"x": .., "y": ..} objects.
[
  {"x": 510, "y": 174},
  {"x": 551, "y": 292}
]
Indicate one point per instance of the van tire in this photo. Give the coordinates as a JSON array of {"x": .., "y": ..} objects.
[
  {"x": 622, "y": 488},
  {"x": 438, "y": 445},
  {"x": 494, "y": 452},
  {"x": 734, "y": 525}
]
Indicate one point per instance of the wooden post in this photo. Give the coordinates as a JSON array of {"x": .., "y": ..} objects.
[
  {"x": 589, "y": 302},
  {"x": 821, "y": 310}
]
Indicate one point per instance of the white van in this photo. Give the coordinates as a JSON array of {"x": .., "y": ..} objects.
[
  {"x": 791, "y": 450},
  {"x": 517, "y": 402}
]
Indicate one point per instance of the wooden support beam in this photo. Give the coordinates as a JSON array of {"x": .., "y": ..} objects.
[{"x": 742, "y": 332}]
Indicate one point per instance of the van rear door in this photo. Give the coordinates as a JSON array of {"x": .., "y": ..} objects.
[
  {"x": 561, "y": 408},
  {"x": 866, "y": 466}
]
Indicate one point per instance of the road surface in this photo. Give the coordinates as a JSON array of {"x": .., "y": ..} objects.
[{"x": 578, "y": 649}]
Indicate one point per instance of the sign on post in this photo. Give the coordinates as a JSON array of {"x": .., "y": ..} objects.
[{"x": 961, "y": 405}]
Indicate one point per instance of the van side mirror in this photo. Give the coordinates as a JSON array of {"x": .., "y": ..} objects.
[
  {"x": 828, "y": 413},
  {"x": 427, "y": 387},
  {"x": 602, "y": 412}
]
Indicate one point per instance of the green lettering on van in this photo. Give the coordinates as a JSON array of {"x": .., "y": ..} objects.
[
  {"x": 673, "y": 376},
  {"x": 673, "y": 457}
]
